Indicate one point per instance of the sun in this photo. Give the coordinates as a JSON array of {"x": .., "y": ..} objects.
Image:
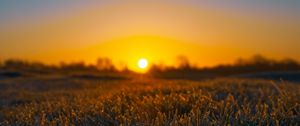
[{"x": 142, "y": 63}]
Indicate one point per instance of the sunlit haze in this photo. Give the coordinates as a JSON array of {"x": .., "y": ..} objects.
[
  {"x": 149, "y": 62},
  {"x": 143, "y": 63},
  {"x": 206, "y": 32}
]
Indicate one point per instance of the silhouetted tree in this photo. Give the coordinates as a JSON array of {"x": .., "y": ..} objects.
[
  {"x": 259, "y": 59},
  {"x": 15, "y": 63},
  {"x": 257, "y": 63},
  {"x": 183, "y": 62},
  {"x": 1, "y": 63},
  {"x": 241, "y": 62},
  {"x": 105, "y": 64}
]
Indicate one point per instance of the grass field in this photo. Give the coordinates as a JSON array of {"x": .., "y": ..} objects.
[{"x": 224, "y": 101}]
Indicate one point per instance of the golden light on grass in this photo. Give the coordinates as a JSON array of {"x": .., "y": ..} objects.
[{"x": 142, "y": 63}]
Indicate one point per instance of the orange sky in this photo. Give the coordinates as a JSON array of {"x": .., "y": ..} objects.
[{"x": 207, "y": 33}]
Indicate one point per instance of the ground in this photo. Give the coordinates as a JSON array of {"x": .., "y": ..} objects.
[{"x": 70, "y": 101}]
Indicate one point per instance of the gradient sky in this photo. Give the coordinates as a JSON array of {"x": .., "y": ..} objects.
[{"x": 207, "y": 32}]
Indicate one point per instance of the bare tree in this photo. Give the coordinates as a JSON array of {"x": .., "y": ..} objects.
[
  {"x": 183, "y": 62},
  {"x": 104, "y": 64}
]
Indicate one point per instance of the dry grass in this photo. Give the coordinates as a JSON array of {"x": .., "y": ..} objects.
[{"x": 152, "y": 102}]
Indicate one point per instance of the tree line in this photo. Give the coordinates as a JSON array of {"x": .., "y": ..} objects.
[{"x": 257, "y": 63}]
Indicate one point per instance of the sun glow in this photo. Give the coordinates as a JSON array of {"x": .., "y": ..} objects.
[{"x": 143, "y": 63}]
